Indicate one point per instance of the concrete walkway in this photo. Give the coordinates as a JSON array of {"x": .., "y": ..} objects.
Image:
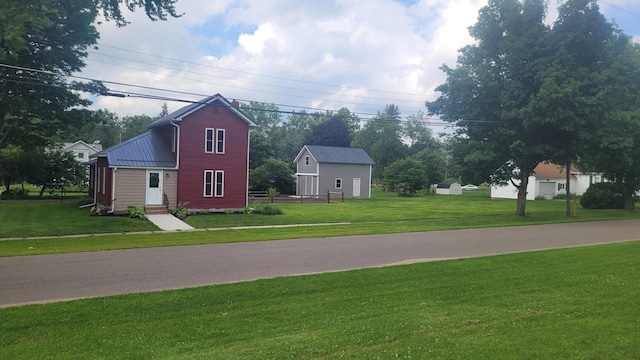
[{"x": 169, "y": 222}]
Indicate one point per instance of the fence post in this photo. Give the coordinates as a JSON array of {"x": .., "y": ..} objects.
[
  {"x": 342, "y": 196},
  {"x": 328, "y": 197}
]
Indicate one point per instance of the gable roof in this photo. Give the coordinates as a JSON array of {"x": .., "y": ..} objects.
[
  {"x": 547, "y": 170},
  {"x": 96, "y": 146},
  {"x": 337, "y": 155},
  {"x": 148, "y": 150},
  {"x": 181, "y": 113}
]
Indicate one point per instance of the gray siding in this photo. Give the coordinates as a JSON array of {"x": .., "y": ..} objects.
[
  {"x": 312, "y": 168},
  {"x": 346, "y": 172}
]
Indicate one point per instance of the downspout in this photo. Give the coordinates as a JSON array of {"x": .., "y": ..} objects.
[
  {"x": 169, "y": 205},
  {"x": 113, "y": 190},
  {"x": 246, "y": 193},
  {"x": 370, "y": 171}
]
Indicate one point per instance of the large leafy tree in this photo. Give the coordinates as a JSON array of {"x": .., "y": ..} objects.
[
  {"x": 273, "y": 173},
  {"x": 406, "y": 176},
  {"x": 575, "y": 94},
  {"x": 614, "y": 147},
  {"x": 381, "y": 139},
  {"x": 42, "y": 42},
  {"x": 332, "y": 132},
  {"x": 489, "y": 92}
]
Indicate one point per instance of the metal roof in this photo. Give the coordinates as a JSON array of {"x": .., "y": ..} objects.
[
  {"x": 181, "y": 113},
  {"x": 148, "y": 150},
  {"x": 337, "y": 155}
]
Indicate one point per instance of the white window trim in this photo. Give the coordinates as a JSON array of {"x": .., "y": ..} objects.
[
  {"x": 224, "y": 141},
  {"x": 336, "y": 183},
  {"x": 208, "y": 131},
  {"x": 215, "y": 181},
  {"x": 210, "y": 185}
]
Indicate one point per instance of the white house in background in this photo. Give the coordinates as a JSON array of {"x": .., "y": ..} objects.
[
  {"x": 446, "y": 188},
  {"x": 81, "y": 150},
  {"x": 548, "y": 180}
]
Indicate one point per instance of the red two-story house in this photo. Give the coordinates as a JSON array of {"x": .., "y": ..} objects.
[{"x": 196, "y": 157}]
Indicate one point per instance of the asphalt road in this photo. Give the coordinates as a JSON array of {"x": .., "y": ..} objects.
[{"x": 46, "y": 278}]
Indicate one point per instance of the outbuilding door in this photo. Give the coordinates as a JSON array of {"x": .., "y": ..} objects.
[
  {"x": 548, "y": 189},
  {"x": 356, "y": 187},
  {"x": 154, "y": 187}
]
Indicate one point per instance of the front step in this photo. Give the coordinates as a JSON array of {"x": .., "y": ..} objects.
[{"x": 155, "y": 209}]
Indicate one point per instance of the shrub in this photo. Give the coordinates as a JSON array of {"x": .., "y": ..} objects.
[
  {"x": 268, "y": 210},
  {"x": 15, "y": 194},
  {"x": 540, "y": 197},
  {"x": 180, "y": 212},
  {"x": 603, "y": 196},
  {"x": 100, "y": 210},
  {"x": 134, "y": 212}
]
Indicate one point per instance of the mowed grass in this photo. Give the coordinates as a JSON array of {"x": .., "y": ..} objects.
[
  {"x": 579, "y": 303},
  {"x": 26, "y": 218},
  {"x": 383, "y": 213}
]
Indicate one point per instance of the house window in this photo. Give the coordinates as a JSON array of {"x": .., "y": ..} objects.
[
  {"x": 208, "y": 140},
  {"x": 306, "y": 161},
  {"x": 219, "y": 183},
  {"x": 561, "y": 186},
  {"x": 208, "y": 183},
  {"x": 338, "y": 183},
  {"x": 220, "y": 141},
  {"x": 80, "y": 155}
]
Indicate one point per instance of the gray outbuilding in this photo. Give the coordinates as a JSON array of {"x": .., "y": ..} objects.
[{"x": 320, "y": 169}]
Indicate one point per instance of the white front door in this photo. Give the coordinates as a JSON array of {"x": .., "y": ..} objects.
[
  {"x": 154, "y": 187},
  {"x": 356, "y": 187}
]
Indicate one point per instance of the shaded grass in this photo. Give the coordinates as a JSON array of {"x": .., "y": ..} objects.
[{"x": 563, "y": 304}]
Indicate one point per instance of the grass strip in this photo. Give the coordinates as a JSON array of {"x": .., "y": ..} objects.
[
  {"x": 579, "y": 303},
  {"x": 39, "y": 246}
]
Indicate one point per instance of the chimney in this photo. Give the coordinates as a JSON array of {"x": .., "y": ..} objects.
[{"x": 235, "y": 103}]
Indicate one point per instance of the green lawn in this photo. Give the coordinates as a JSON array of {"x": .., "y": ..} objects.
[
  {"x": 383, "y": 213},
  {"x": 580, "y": 303},
  {"x": 26, "y": 218}
]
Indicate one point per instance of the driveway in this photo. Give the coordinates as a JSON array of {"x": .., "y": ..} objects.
[{"x": 46, "y": 278}]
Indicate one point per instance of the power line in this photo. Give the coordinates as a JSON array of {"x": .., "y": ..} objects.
[{"x": 123, "y": 93}]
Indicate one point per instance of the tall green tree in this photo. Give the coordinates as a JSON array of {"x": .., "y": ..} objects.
[
  {"x": 332, "y": 132},
  {"x": 489, "y": 92},
  {"x": 42, "y": 42},
  {"x": 614, "y": 148},
  {"x": 574, "y": 96},
  {"x": 381, "y": 139}
]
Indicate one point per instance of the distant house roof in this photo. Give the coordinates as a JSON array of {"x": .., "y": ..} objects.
[
  {"x": 446, "y": 185},
  {"x": 96, "y": 146},
  {"x": 337, "y": 155},
  {"x": 181, "y": 113},
  {"x": 549, "y": 170},
  {"x": 148, "y": 150}
]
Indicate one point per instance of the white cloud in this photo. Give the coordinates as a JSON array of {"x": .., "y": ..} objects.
[{"x": 367, "y": 54}]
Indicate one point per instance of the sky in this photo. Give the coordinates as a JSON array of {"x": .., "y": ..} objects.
[{"x": 310, "y": 55}]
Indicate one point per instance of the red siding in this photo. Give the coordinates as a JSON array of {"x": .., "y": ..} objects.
[
  {"x": 194, "y": 161},
  {"x": 104, "y": 172}
]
